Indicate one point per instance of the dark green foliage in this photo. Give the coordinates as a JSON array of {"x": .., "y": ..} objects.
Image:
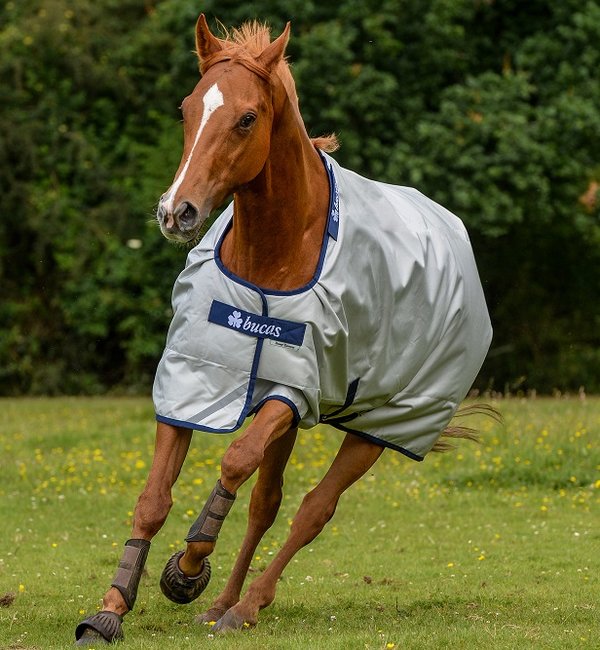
[{"x": 492, "y": 109}]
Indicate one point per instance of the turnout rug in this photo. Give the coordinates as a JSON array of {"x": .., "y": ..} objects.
[{"x": 385, "y": 341}]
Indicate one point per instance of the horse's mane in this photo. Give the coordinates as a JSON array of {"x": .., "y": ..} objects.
[{"x": 250, "y": 40}]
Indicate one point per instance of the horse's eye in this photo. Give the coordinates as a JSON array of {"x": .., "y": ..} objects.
[{"x": 247, "y": 121}]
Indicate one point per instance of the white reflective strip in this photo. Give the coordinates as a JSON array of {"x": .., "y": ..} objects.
[
  {"x": 212, "y": 100},
  {"x": 235, "y": 394}
]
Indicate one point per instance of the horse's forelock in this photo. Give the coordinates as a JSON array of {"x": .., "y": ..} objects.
[
  {"x": 244, "y": 44},
  {"x": 253, "y": 35}
]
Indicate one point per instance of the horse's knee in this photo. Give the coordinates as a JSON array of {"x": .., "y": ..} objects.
[
  {"x": 151, "y": 511},
  {"x": 239, "y": 463}
]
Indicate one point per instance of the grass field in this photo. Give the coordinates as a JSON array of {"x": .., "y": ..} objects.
[{"x": 491, "y": 546}]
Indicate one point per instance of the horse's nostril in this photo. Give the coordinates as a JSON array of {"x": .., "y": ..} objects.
[
  {"x": 191, "y": 214},
  {"x": 186, "y": 214}
]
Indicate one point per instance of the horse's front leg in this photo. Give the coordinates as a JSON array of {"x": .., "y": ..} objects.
[
  {"x": 264, "y": 505},
  {"x": 151, "y": 511},
  {"x": 182, "y": 579},
  {"x": 354, "y": 458}
]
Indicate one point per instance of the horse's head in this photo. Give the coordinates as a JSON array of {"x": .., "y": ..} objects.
[{"x": 227, "y": 123}]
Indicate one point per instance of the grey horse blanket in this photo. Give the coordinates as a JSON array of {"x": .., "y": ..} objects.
[{"x": 385, "y": 341}]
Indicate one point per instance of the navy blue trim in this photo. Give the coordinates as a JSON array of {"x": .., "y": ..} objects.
[
  {"x": 192, "y": 425},
  {"x": 341, "y": 419},
  {"x": 279, "y": 398},
  {"x": 378, "y": 441},
  {"x": 331, "y": 229},
  {"x": 250, "y": 324},
  {"x": 254, "y": 370},
  {"x": 198, "y": 427},
  {"x": 333, "y": 221},
  {"x": 341, "y": 427},
  {"x": 350, "y": 396}
]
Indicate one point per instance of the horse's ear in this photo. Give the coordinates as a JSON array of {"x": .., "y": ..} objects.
[
  {"x": 206, "y": 43},
  {"x": 273, "y": 53}
]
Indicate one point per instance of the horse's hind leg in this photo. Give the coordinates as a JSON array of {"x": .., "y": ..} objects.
[
  {"x": 151, "y": 511},
  {"x": 355, "y": 457},
  {"x": 264, "y": 504}
]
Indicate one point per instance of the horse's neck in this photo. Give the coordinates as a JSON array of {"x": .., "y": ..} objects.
[{"x": 279, "y": 218}]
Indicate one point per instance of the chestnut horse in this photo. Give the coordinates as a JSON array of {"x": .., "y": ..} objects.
[{"x": 244, "y": 136}]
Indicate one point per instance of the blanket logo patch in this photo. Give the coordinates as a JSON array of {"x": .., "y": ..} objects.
[
  {"x": 256, "y": 325},
  {"x": 235, "y": 320}
]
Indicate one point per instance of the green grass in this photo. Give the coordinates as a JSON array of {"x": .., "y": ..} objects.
[{"x": 490, "y": 546}]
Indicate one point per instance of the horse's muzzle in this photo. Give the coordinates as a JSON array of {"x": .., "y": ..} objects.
[{"x": 182, "y": 224}]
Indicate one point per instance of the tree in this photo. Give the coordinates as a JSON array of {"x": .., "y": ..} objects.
[{"x": 492, "y": 109}]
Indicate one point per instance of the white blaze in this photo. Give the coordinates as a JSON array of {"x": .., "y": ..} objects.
[{"x": 212, "y": 100}]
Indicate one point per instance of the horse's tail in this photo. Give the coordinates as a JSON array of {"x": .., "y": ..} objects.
[{"x": 456, "y": 431}]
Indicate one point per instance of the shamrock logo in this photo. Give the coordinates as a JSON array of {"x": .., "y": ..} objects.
[{"x": 235, "y": 319}]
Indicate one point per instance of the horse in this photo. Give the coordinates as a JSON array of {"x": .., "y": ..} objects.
[{"x": 317, "y": 296}]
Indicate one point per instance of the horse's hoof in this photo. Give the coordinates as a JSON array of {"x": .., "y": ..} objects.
[
  {"x": 178, "y": 587},
  {"x": 210, "y": 616},
  {"x": 231, "y": 622},
  {"x": 100, "y": 629}
]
